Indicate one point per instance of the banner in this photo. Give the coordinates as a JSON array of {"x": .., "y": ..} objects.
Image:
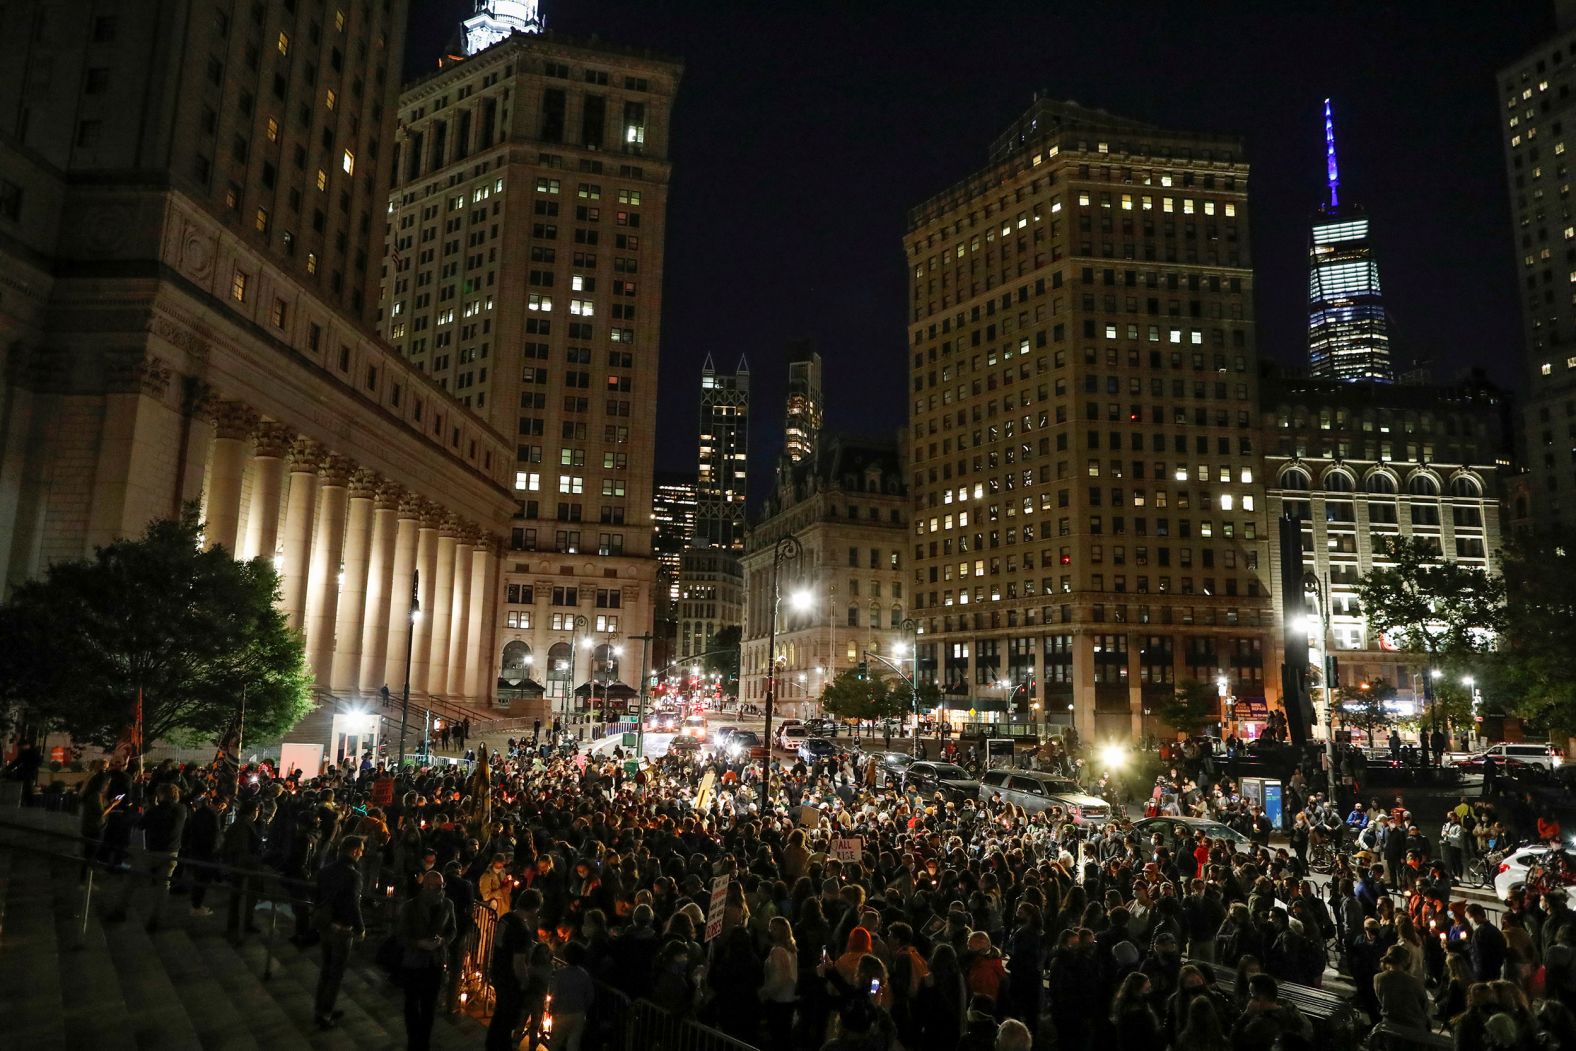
[
  {"x": 850, "y": 851},
  {"x": 719, "y": 903}
]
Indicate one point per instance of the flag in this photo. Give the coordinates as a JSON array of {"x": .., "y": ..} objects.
[
  {"x": 228, "y": 751},
  {"x": 130, "y": 743},
  {"x": 479, "y": 787}
]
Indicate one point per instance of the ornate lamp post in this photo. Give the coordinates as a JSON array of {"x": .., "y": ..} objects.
[
  {"x": 788, "y": 547},
  {"x": 578, "y": 625},
  {"x": 910, "y": 626}
]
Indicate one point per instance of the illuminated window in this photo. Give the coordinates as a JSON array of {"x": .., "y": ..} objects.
[
  {"x": 339, "y": 21},
  {"x": 311, "y": 262},
  {"x": 262, "y": 220},
  {"x": 536, "y": 301},
  {"x": 1544, "y": 369},
  {"x": 238, "y": 292},
  {"x": 284, "y": 42},
  {"x": 1127, "y": 202},
  {"x": 1167, "y": 204},
  {"x": 348, "y": 162},
  {"x": 1231, "y": 209},
  {"x": 528, "y": 481},
  {"x": 329, "y": 98},
  {"x": 273, "y": 130},
  {"x": 582, "y": 307},
  {"x": 1083, "y": 199},
  {"x": 322, "y": 179}
]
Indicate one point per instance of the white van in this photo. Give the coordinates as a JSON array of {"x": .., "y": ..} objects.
[{"x": 1531, "y": 753}]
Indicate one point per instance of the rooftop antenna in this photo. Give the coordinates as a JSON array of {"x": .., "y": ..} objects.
[{"x": 1332, "y": 174}]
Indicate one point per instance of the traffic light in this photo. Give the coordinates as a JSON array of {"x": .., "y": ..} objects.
[{"x": 864, "y": 671}]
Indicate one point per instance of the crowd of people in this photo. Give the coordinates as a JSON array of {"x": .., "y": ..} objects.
[{"x": 851, "y": 913}]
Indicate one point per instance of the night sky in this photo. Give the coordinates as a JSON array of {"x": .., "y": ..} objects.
[{"x": 804, "y": 131}]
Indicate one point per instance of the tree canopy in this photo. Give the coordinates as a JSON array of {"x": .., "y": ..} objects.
[
  {"x": 1426, "y": 603},
  {"x": 723, "y": 657},
  {"x": 191, "y": 629},
  {"x": 876, "y": 697},
  {"x": 1534, "y": 673},
  {"x": 1194, "y": 707},
  {"x": 1364, "y": 703}
]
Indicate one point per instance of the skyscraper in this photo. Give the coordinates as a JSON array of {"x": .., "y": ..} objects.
[
  {"x": 1537, "y": 106},
  {"x": 673, "y": 505},
  {"x": 724, "y": 444},
  {"x": 1348, "y": 330},
  {"x": 524, "y": 273},
  {"x": 1085, "y": 475},
  {"x": 802, "y": 416}
]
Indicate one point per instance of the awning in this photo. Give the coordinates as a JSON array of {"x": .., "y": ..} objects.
[
  {"x": 522, "y": 687},
  {"x": 615, "y": 690}
]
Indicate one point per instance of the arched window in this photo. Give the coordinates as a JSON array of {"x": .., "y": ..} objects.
[
  {"x": 1379, "y": 482},
  {"x": 1295, "y": 478},
  {"x": 558, "y": 669},
  {"x": 515, "y": 665},
  {"x": 1422, "y": 485},
  {"x": 1338, "y": 482},
  {"x": 1465, "y": 485},
  {"x": 604, "y": 663}
]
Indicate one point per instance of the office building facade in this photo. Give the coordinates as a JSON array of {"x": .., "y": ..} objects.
[
  {"x": 804, "y": 404},
  {"x": 849, "y": 510},
  {"x": 723, "y": 469},
  {"x": 1085, "y": 470},
  {"x": 1537, "y": 108},
  {"x": 524, "y": 275},
  {"x": 1359, "y": 463}
]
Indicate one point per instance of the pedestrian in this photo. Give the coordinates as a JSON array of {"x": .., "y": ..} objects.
[
  {"x": 573, "y": 993},
  {"x": 338, "y": 913},
  {"x": 510, "y": 967},
  {"x": 426, "y": 926}
]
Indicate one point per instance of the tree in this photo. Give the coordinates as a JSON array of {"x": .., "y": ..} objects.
[
  {"x": 1534, "y": 672},
  {"x": 876, "y": 697},
  {"x": 723, "y": 658},
  {"x": 1365, "y": 703},
  {"x": 1194, "y": 707},
  {"x": 191, "y": 629},
  {"x": 1426, "y": 603}
]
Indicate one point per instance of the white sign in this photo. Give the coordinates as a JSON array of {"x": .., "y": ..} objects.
[
  {"x": 307, "y": 758},
  {"x": 850, "y": 851},
  {"x": 719, "y": 903}
]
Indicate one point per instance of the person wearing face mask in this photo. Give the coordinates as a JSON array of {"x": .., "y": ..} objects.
[
  {"x": 497, "y": 885},
  {"x": 1192, "y": 984},
  {"x": 427, "y": 927}
]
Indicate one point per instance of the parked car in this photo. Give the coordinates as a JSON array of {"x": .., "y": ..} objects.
[
  {"x": 1516, "y": 868},
  {"x": 816, "y": 749},
  {"x": 790, "y": 737},
  {"x": 893, "y": 764},
  {"x": 951, "y": 780},
  {"x": 1039, "y": 792},
  {"x": 744, "y": 744},
  {"x": 1212, "y": 829},
  {"x": 821, "y": 727},
  {"x": 684, "y": 745},
  {"x": 1531, "y": 753}
]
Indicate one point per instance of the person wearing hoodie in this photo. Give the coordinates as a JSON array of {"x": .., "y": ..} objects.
[{"x": 426, "y": 926}]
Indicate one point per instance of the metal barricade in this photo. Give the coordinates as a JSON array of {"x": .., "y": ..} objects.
[
  {"x": 475, "y": 986},
  {"x": 651, "y": 1028}
]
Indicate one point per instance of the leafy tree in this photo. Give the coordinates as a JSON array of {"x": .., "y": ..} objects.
[
  {"x": 723, "y": 657},
  {"x": 1534, "y": 672},
  {"x": 1194, "y": 707},
  {"x": 1365, "y": 704},
  {"x": 190, "y": 628},
  {"x": 1426, "y": 603},
  {"x": 876, "y": 697}
]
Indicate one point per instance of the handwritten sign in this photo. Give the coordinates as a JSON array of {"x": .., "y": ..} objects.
[
  {"x": 849, "y": 851},
  {"x": 719, "y": 903}
]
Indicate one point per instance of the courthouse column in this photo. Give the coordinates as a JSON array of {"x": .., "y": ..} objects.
[
  {"x": 234, "y": 424},
  {"x": 300, "y": 516},
  {"x": 480, "y": 670},
  {"x": 345, "y": 662},
  {"x": 460, "y": 619},
  {"x": 398, "y": 615},
  {"x": 442, "y": 606},
  {"x": 328, "y": 549},
  {"x": 427, "y": 565},
  {"x": 268, "y": 485},
  {"x": 380, "y": 577}
]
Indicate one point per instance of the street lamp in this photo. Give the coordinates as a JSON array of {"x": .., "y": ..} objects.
[
  {"x": 410, "y": 647},
  {"x": 911, "y": 626},
  {"x": 787, "y": 547}
]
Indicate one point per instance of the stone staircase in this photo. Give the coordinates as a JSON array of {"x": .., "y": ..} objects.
[{"x": 115, "y": 985}]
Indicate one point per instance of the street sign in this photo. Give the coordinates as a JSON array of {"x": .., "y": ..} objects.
[
  {"x": 631, "y": 767},
  {"x": 849, "y": 851},
  {"x": 719, "y": 903},
  {"x": 629, "y": 739}
]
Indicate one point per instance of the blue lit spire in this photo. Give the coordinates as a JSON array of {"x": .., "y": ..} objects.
[{"x": 1332, "y": 174}]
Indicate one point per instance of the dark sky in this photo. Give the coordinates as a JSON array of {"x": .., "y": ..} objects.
[{"x": 804, "y": 131}]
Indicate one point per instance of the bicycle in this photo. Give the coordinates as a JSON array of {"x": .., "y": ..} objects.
[{"x": 1322, "y": 856}]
